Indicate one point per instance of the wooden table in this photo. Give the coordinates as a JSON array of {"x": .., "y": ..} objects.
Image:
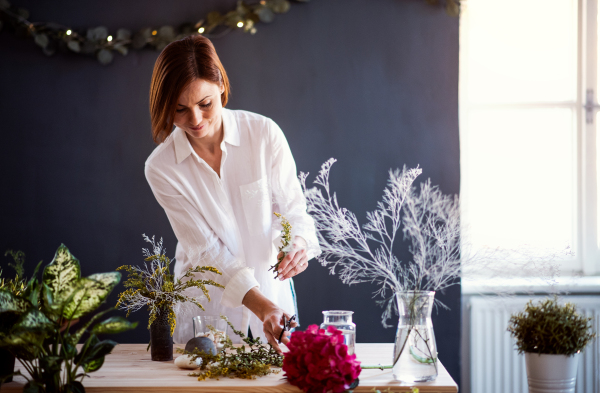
[{"x": 129, "y": 369}]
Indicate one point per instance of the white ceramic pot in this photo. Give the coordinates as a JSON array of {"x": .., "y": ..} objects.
[{"x": 551, "y": 373}]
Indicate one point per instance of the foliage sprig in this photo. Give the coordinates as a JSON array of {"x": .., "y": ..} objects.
[
  {"x": 286, "y": 238},
  {"x": 18, "y": 284},
  {"x": 550, "y": 328},
  {"x": 154, "y": 286},
  {"x": 246, "y": 362}
]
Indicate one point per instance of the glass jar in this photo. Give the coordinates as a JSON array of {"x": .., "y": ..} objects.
[
  {"x": 415, "y": 352},
  {"x": 341, "y": 320}
]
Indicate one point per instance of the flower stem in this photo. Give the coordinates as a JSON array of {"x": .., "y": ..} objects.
[{"x": 378, "y": 366}]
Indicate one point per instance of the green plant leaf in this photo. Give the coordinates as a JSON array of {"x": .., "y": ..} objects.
[
  {"x": 74, "y": 46},
  {"x": 74, "y": 387},
  {"x": 114, "y": 325},
  {"x": 280, "y": 6},
  {"x": 166, "y": 33},
  {"x": 102, "y": 348},
  {"x": 33, "y": 293},
  {"x": 94, "y": 365},
  {"x": 97, "y": 34},
  {"x": 122, "y": 49},
  {"x": 82, "y": 329},
  {"x": 47, "y": 301},
  {"x": 77, "y": 336},
  {"x": 104, "y": 56},
  {"x": 50, "y": 364},
  {"x": 29, "y": 341},
  {"x": 94, "y": 356},
  {"x": 62, "y": 273},
  {"x": 68, "y": 350},
  {"x": 107, "y": 280},
  {"x": 33, "y": 285},
  {"x": 265, "y": 14},
  {"x": 41, "y": 40},
  {"x": 89, "y": 293},
  {"x": 86, "y": 348},
  {"x": 12, "y": 303},
  {"x": 33, "y": 320}
]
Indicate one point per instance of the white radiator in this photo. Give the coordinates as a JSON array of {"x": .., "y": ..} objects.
[{"x": 494, "y": 364}]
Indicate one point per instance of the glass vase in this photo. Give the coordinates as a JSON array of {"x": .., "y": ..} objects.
[
  {"x": 341, "y": 320},
  {"x": 161, "y": 341},
  {"x": 415, "y": 352}
]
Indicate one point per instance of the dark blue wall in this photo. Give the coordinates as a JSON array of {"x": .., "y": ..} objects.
[{"x": 371, "y": 83}]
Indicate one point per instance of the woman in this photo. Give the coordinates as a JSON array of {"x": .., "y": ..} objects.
[{"x": 220, "y": 175}]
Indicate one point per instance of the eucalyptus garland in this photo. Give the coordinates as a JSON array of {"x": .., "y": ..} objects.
[{"x": 99, "y": 42}]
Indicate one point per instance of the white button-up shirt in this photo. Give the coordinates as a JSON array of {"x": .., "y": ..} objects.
[{"x": 228, "y": 221}]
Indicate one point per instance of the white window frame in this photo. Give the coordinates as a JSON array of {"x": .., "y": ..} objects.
[
  {"x": 585, "y": 242},
  {"x": 588, "y": 77}
]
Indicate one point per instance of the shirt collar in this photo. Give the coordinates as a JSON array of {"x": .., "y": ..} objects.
[
  {"x": 230, "y": 128},
  {"x": 183, "y": 148}
]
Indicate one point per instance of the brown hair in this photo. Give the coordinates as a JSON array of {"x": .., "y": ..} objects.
[{"x": 180, "y": 63}]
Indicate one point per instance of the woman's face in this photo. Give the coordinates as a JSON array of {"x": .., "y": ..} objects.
[{"x": 198, "y": 110}]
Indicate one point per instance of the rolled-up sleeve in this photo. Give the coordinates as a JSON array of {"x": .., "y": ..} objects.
[
  {"x": 287, "y": 192},
  {"x": 202, "y": 246}
]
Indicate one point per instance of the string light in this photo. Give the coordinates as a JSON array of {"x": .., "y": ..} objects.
[{"x": 92, "y": 44}]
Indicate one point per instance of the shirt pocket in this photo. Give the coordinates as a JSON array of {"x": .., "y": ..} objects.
[{"x": 256, "y": 200}]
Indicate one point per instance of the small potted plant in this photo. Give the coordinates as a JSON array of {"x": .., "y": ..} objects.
[
  {"x": 37, "y": 317},
  {"x": 552, "y": 336},
  {"x": 154, "y": 286}
]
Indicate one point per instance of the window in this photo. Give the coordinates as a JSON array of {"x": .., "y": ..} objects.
[{"x": 528, "y": 124}]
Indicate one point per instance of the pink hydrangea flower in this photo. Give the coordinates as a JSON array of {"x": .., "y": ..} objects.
[{"x": 318, "y": 361}]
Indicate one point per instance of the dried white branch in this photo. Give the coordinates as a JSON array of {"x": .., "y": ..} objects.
[{"x": 429, "y": 220}]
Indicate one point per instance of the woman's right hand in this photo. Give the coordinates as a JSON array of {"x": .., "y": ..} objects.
[
  {"x": 273, "y": 324},
  {"x": 270, "y": 315}
]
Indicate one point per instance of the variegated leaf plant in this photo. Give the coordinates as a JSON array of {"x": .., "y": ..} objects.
[{"x": 36, "y": 324}]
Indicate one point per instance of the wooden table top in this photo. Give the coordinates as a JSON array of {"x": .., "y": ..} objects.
[{"x": 129, "y": 369}]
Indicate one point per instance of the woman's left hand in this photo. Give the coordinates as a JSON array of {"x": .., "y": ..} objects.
[{"x": 296, "y": 261}]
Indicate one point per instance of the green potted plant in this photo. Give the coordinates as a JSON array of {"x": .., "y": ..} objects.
[
  {"x": 36, "y": 324},
  {"x": 552, "y": 337},
  {"x": 154, "y": 286}
]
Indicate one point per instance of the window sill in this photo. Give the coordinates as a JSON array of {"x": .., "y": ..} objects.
[{"x": 518, "y": 285}]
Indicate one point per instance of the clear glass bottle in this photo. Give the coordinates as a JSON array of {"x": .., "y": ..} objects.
[
  {"x": 415, "y": 352},
  {"x": 341, "y": 320}
]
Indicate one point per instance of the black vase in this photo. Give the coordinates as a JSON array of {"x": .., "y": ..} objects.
[
  {"x": 7, "y": 364},
  {"x": 161, "y": 341}
]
